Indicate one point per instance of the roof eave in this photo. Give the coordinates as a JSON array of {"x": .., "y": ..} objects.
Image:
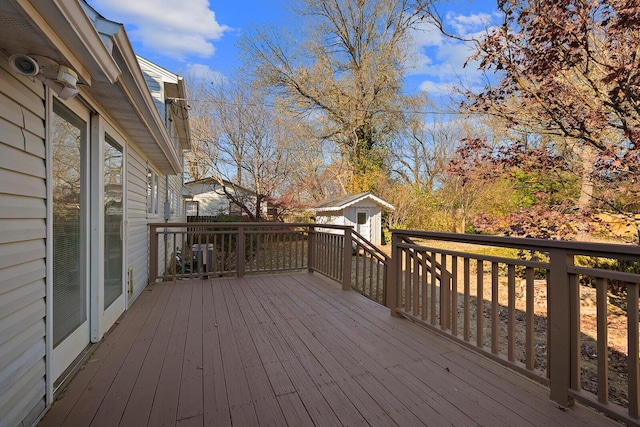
[
  {"x": 353, "y": 202},
  {"x": 135, "y": 86},
  {"x": 82, "y": 48}
]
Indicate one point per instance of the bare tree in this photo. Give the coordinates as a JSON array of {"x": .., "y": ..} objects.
[
  {"x": 245, "y": 143},
  {"x": 198, "y": 160},
  {"x": 346, "y": 74},
  {"x": 421, "y": 152}
]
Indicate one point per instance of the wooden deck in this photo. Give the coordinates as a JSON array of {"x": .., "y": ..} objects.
[{"x": 291, "y": 350}]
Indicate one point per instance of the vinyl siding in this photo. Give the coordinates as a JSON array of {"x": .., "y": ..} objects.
[
  {"x": 22, "y": 248},
  {"x": 211, "y": 203},
  {"x": 154, "y": 83},
  {"x": 138, "y": 235},
  {"x": 137, "y": 239},
  {"x": 175, "y": 183}
]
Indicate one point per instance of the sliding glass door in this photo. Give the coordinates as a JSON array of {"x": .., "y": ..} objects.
[
  {"x": 69, "y": 145},
  {"x": 113, "y": 221}
]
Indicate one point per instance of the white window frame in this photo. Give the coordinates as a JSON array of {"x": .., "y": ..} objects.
[
  {"x": 153, "y": 193},
  {"x": 172, "y": 201},
  {"x": 188, "y": 207}
]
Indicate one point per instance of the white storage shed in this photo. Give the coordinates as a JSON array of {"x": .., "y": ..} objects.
[{"x": 361, "y": 211}]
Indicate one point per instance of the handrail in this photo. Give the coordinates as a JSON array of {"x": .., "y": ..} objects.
[
  {"x": 626, "y": 252},
  {"x": 370, "y": 269},
  {"x": 492, "y": 304},
  {"x": 209, "y": 249},
  {"x": 375, "y": 251}
]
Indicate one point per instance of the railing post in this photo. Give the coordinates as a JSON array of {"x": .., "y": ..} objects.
[
  {"x": 311, "y": 249},
  {"x": 559, "y": 318},
  {"x": 347, "y": 260},
  {"x": 445, "y": 293},
  {"x": 240, "y": 252},
  {"x": 392, "y": 275},
  {"x": 153, "y": 253}
]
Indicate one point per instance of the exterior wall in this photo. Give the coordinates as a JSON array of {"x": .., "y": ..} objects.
[
  {"x": 376, "y": 227},
  {"x": 137, "y": 230},
  {"x": 22, "y": 248},
  {"x": 171, "y": 207},
  {"x": 331, "y": 217},
  {"x": 211, "y": 203},
  {"x": 154, "y": 82},
  {"x": 139, "y": 219}
]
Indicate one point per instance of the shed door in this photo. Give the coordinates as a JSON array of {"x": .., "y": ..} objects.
[{"x": 363, "y": 225}]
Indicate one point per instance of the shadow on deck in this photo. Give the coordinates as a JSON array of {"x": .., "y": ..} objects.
[{"x": 291, "y": 349}]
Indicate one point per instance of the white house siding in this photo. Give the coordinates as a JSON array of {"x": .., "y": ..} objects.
[
  {"x": 333, "y": 218},
  {"x": 154, "y": 82},
  {"x": 211, "y": 203},
  {"x": 22, "y": 248},
  {"x": 138, "y": 219},
  {"x": 156, "y": 77}
]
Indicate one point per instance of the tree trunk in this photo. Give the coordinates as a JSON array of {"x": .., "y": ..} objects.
[{"x": 586, "y": 190}]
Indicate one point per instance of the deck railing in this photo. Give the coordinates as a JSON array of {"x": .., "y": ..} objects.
[
  {"x": 518, "y": 301},
  {"x": 525, "y": 311},
  {"x": 196, "y": 250}
]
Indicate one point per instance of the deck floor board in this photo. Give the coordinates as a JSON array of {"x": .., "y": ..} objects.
[{"x": 291, "y": 349}]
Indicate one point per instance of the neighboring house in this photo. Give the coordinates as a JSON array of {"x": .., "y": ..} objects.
[
  {"x": 361, "y": 211},
  {"x": 88, "y": 157},
  {"x": 206, "y": 197}
]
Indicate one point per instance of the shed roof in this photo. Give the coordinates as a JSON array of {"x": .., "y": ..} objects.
[{"x": 342, "y": 202}]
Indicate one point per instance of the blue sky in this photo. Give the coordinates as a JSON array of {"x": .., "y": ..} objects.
[{"x": 200, "y": 36}]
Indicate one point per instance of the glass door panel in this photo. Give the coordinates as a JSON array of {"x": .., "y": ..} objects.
[
  {"x": 69, "y": 223},
  {"x": 113, "y": 210}
]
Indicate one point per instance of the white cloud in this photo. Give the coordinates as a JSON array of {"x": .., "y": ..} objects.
[
  {"x": 204, "y": 72},
  {"x": 434, "y": 88},
  {"x": 440, "y": 59},
  {"x": 177, "y": 29},
  {"x": 466, "y": 24}
]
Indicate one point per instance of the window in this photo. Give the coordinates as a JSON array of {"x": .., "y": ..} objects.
[
  {"x": 172, "y": 205},
  {"x": 174, "y": 202},
  {"x": 362, "y": 218},
  {"x": 234, "y": 209},
  {"x": 177, "y": 205},
  {"x": 192, "y": 208},
  {"x": 152, "y": 192}
]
